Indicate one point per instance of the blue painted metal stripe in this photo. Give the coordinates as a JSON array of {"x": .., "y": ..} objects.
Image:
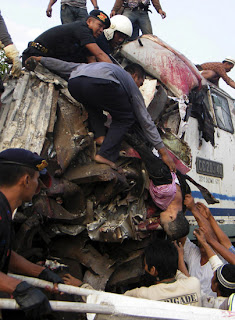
[
  {"x": 218, "y": 212},
  {"x": 197, "y": 194}
]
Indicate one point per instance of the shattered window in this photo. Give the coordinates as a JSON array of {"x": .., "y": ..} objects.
[{"x": 222, "y": 112}]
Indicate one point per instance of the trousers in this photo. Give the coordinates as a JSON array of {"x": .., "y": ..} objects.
[
  {"x": 97, "y": 95},
  {"x": 70, "y": 14}
]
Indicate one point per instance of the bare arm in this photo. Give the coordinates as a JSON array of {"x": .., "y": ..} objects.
[
  {"x": 49, "y": 8},
  {"x": 158, "y": 7},
  {"x": 202, "y": 239},
  {"x": 117, "y": 6},
  {"x": 167, "y": 159},
  {"x": 201, "y": 220},
  {"x": 20, "y": 265},
  {"x": 221, "y": 236},
  {"x": 99, "y": 54},
  {"x": 8, "y": 284},
  {"x": 181, "y": 264},
  {"x": 95, "y": 5}
]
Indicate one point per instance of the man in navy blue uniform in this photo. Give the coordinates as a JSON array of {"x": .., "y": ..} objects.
[
  {"x": 74, "y": 41},
  {"x": 20, "y": 171}
]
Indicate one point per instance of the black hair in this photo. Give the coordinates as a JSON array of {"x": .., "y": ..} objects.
[
  {"x": 178, "y": 228},
  {"x": 10, "y": 174},
  {"x": 228, "y": 272},
  {"x": 163, "y": 255},
  {"x": 135, "y": 68},
  {"x": 227, "y": 62}
]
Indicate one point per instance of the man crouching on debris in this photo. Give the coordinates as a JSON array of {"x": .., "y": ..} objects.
[
  {"x": 20, "y": 171},
  {"x": 104, "y": 86}
]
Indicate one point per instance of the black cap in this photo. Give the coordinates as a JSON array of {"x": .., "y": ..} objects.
[
  {"x": 23, "y": 157},
  {"x": 26, "y": 158},
  {"x": 101, "y": 16}
]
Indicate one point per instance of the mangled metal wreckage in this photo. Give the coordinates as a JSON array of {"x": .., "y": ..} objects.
[{"x": 90, "y": 209}]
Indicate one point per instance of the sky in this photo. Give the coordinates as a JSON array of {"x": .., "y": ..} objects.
[{"x": 202, "y": 30}]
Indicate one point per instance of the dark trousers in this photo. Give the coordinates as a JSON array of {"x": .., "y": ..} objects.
[{"x": 97, "y": 95}]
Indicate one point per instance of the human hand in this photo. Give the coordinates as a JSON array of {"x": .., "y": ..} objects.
[
  {"x": 32, "y": 62},
  {"x": 50, "y": 276},
  {"x": 204, "y": 210},
  {"x": 113, "y": 13},
  {"x": 32, "y": 301},
  {"x": 180, "y": 248},
  {"x": 49, "y": 11},
  {"x": 162, "y": 13},
  {"x": 167, "y": 159},
  {"x": 13, "y": 54},
  {"x": 200, "y": 235},
  {"x": 72, "y": 281},
  {"x": 189, "y": 202}
]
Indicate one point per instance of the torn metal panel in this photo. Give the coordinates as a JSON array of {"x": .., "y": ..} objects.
[
  {"x": 49, "y": 208},
  {"x": 169, "y": 66},
  {"x": 92, "y": 172},
  {"x": 70, "y": 132},
  {"x": 27, "y": 116}
]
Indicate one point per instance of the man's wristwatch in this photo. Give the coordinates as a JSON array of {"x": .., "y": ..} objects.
[{"x": 97, "y": 8}]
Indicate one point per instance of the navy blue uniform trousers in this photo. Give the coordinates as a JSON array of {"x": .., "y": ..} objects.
[{"x": 97, "y": 95}]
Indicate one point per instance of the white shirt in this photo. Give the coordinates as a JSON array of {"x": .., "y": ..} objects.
[
  {"x": 192, "y": 257},
  {"x": 185, "y": 290}
]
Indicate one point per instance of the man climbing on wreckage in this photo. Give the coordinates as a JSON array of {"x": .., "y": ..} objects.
[
  {"x": 20, "y": 171},
  {"x": 105, "y": 86},
  {"x": 73, "y": 41}
]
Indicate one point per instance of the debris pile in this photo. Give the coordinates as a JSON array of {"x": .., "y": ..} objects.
[{"x": 90, "y": 208}]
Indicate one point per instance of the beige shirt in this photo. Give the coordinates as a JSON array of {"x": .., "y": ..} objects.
[{"x": 185, "y": 290}]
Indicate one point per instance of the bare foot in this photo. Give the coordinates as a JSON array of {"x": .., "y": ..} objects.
[
  {"x": 71, "y": 281},
  {"x": 101, "y": 159},
  {"x": 100, "y": 140}
]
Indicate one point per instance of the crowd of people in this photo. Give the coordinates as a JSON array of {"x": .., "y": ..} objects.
[{"x": 80, "y": 50}]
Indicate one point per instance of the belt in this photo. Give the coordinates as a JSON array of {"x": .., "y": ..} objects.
[{"x": 39, "y": 47}]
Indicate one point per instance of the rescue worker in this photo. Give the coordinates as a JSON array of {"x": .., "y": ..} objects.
[
  {"x": 71, "y": 10},
  {"x": 119, "y": 30},
  {"x": 213, "y": 71},
  {"x": 9, "y": 48},
  {"x": 20, "y": 171},
  {"x": 73, "y": 41},
  {"x": 170, "y": 284},
  {"x": 104, "y": 86},
  {"x": 137, "y": 12}
]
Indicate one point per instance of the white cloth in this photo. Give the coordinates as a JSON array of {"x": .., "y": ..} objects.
[
  {"x": 192, "y": 257},
  {"x": 185, "y": 290}
]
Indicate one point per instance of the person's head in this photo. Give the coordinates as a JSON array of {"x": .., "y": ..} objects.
[
  {"x": 228, "y": 64},
  {"x": 137, "y": 72},
  {"x": 97, "y": 21},
  {"x": 223, "y": 281},
  {"x": 119, "y": 30},
  {"x": 174, "y": 224},
  {"x": 21, "y": 168},
  {"x": 161, "y": 259}
]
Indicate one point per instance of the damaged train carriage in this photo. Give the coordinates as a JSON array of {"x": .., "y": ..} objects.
[
  {"x": 92, "y": 215},
  {"x": 197, "y": 118}
]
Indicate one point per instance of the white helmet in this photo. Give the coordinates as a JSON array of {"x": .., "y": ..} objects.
[{"x": 118, "y": 23}]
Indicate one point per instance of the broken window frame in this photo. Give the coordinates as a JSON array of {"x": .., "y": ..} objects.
[{"x": 226, "y": 124}]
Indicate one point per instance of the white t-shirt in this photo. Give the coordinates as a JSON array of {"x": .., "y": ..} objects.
[
  {"x": 192, "y": 257},
  {"x": 185, "y": 290}
]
